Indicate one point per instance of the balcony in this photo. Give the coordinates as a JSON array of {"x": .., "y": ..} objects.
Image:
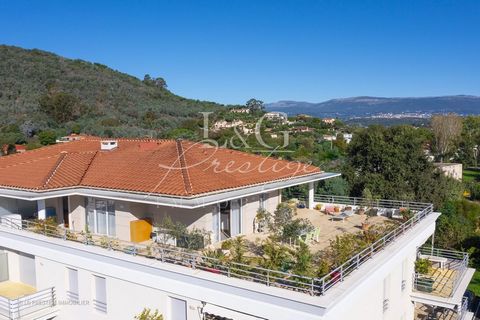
[
  {"x": 21, "y": 301},
  {"x": 439, "y": 284},
  {"x": 426, "y": 312},
  {"x": 445, "y": 273}
]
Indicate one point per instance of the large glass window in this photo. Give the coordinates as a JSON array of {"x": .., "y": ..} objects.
[{"x": 101, "y": 216}]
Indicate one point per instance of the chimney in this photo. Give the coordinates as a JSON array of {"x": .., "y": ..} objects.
[{"x": 106, "y": 145}]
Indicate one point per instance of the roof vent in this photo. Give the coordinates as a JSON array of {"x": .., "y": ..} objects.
[{"x": 108, "y": 144}]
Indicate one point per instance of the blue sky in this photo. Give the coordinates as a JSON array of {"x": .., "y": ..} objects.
[{"x": 229, "y": 51}]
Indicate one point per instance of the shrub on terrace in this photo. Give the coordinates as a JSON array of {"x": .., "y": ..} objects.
[
  {"x": 282, "y": 215},
  {"x": 343, "y": 247},
  {"x": 303, "y": 261},
  {"x": 193, "y": 239},
  {"x": 238, "y": 249},
  {"x": 295, "y": 228},
  {"x": 275, "y": 256}
]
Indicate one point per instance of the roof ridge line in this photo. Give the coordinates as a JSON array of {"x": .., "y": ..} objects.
[
  {"x": 183, "y": 169},
  {"x": 88, "y": 167},
  {"x": 54, "y": 169}
]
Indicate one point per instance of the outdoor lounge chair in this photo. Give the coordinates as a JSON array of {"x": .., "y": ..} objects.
[
  {"x": 342, "y": 216},
  {"x": 329, "y": 209}
]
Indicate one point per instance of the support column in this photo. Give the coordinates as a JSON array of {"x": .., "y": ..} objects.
[
  {"x": 42, "y": 213},
  {"x": 311, "y": 191}
]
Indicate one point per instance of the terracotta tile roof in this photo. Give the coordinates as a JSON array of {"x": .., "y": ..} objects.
[{"x": 168, "y": 167}]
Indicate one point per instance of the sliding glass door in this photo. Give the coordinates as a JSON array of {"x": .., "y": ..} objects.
[
  {"x": 101, "y": 216},
  {"x": 227, "y": 219}
]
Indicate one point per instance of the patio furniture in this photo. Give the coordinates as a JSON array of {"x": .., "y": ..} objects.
[
  {"x": 330, "y": 210},
  {"x": 344, "y": 215},
  {"x": 316, "y": 234},
  {"x": 310, "y": 236},
  {"x": 301, "y": 205},
  {"x": 440, "y": 260}
]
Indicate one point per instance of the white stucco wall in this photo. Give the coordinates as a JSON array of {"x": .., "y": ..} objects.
[
  {"x": 77, "y": 213},
  {"x": 200, "y": 218},
  {"x": 135, "y": 282}
]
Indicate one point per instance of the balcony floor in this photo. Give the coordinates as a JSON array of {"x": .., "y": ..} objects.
[
  {"x": 14, "y": 290},
  {"x": 422, "y": 312},
  {"x": 444, "y": 281}
]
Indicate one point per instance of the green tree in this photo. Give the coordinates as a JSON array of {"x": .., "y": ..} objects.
[
  {"x": 62, "y": 107},
  {"x": 391, "y": 163},
  {"x": 459, "y": 221},
  {"x": 336, "y": 186},
  {"x": 147, "y": 314},
  {"x": 47, "y": 137},
  {"x": 255, "y": 105},
  {"x": 469, "y": 144}
]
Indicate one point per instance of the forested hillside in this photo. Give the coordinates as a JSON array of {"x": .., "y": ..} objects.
[{"x": 41, "y": 90}]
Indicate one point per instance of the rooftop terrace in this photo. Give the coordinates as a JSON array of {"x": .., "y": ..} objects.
[{"x": 386, "y": 210}]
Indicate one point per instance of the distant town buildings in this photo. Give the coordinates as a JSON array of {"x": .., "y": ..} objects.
[
  {"x": 348, "y": 137},
  {"x": 223, "y": 124},
  {"x": 452, "y": 170},
  {"x": 71, "y": 137},
  {"x": 277, "y": 116},
  {"x": 301, "y": 129},
  {"x": 240, "y": 110},
  {"x": 328, "y": 120}
]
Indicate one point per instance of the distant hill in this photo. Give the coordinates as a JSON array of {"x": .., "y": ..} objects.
[
  {"x": 365, "y": 107},
  {"x": 123, "y": 104}
]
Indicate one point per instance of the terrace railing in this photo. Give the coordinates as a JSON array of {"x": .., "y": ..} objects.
[
  {"x": 26, "y": 306},
  {"x": 165, "y": 253},
  {"x": 463, "y": 309},
  {"x": 445, "y": 285}
]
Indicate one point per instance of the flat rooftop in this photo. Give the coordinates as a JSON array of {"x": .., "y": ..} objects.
[{"x": 329, "y": 227}]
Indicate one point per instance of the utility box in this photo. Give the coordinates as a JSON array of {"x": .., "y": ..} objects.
[{"x": 140, "y": 230}]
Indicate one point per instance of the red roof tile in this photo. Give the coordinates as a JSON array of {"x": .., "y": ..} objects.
[{"x": 179, "y": 168}]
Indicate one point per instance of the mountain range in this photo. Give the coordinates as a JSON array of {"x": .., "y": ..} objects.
[{"x": 378, "y": 107}]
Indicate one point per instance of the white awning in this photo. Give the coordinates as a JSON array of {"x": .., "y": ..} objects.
[{"x": 228, "y": 313}]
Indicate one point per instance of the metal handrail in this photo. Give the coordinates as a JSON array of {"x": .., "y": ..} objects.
[
  {"x": 26, "y": 305},
  {"x": 165, "y": 253},
  {"x": 460, "y": 267},
  {"x": 463, "y": 309}
]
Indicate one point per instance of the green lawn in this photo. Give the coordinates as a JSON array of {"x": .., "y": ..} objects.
[
  {"x": 474, "y": 285},
  {"x": 471, "y": 175}
]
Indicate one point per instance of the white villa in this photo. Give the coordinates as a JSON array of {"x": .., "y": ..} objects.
[{"x": 105, "y": 197}]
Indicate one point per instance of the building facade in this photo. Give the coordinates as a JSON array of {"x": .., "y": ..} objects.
[{"x": 64, "y": 272}]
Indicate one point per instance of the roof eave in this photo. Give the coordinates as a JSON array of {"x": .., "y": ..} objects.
[{"x": 190, "y": 202}]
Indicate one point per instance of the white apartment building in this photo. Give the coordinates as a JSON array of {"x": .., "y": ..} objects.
[{"x": 103, "y": 195}]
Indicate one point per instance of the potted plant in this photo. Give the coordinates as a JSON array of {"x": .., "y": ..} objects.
[
  {"x": 423, "y": 281},
  {"x": 361, "y": 211},
  {"x": 366, "y": 225}
]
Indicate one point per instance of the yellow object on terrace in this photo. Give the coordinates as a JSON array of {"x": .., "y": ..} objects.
[{"x": 14, "y": 290}]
